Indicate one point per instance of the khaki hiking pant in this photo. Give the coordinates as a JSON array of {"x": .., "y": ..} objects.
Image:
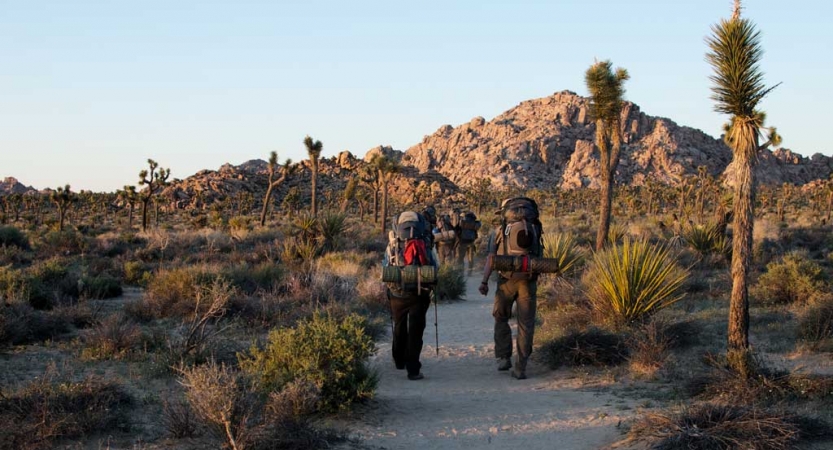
[
  {"x": 464, "y": 251},
  {"x": 524, "y": 292},
  {"x": 445, "y": 250}
]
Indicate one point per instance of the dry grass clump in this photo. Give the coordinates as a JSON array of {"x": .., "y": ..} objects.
[
  {"x": 714, "y": 426},
  {"x": 760, "y": 385},
  {"x": 171, "y": 293},
  {"x": 650, "y": 347},
  {"x": 112, "y": 338},
  {"x": 591, "y": 347},
  {"x": 225, "y": 402},
  {"x": 51, "y": 408},
  {"x": 815, "y": 324}
]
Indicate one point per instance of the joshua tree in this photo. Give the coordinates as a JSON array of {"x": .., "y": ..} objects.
[
  {"x": 129, "y": 197},
  {"x": 737, "y": 88},
  {"x": 349, "y": 193},
  {"x": 153, "y": 179},
  {"x": 607, "y": 89},
  {"x": 370, "y": 176},
  {"x": 314, "y": 151},
  {"x": 63, "y": 198},
  {"x": 285, "y": 170},
  {"x": 386, "y": 168}
]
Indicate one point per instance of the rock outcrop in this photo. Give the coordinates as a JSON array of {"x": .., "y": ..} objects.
[
  {"x": 540, "y": 143},
  {"x": 10, "y": 185}
]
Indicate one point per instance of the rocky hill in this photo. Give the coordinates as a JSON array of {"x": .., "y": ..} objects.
[
  {"x": 549, "y": 141},
  {"x": 10, "y": 185},
  {"x": 538, "y": 144}
]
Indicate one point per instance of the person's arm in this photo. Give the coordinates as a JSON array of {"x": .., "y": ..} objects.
[{"x": 491, "y": 249}]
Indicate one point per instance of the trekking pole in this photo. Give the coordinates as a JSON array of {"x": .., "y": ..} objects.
[
  {"x": 436, "y": 327},
  {"x": 390, "y": 310}
]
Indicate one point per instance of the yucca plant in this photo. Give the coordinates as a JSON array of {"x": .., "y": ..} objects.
[
  {"x": 615, "y": 233},
  {"x": 305, "y": 227},
  {"x": 564, "y": 248},
  {"x": 332, "y": 226},
  {"x": 703, "y": 239},
  {"x": 629, "y": 282}
]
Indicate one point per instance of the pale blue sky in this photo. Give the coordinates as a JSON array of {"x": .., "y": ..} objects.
[{"x": 90, "y": 90}]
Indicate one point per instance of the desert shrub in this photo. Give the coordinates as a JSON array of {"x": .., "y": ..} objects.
[
  {"x": 794, "y": 278},
  {"x": 629, "y": 282},
  {"x": 112, "y": 338},
  {"x": 22, "y": 324},
  {"x": 708, "y": 426},
  {"x": 815, "y": 325},
  {"x": 327, "y": 352},
  {"x": 100, "y": 287},
  {"x": 67, "y": 242},
  {"x": 757, "y": 384},
  {"x": 50, "y": 282},
  {"x": 372, "y": 294},
  {"x": 591, "y": 347},
  {"x": 178, "y": 418},
  {"x": 704, "y": 239},
  {"x": 226, "y": 403},
  {"x": 649, "y": 347},
  {"x": 136, "y": 273},
  {"x": 218, "y": 396},
  {"x": 14, "y": 286},
  {"x": 12, "y": 237},
  {"x": 250, "y": 279},
  {"x": 171, "y": 293},
  {"x": 451, "y": 282},
  {"x": 50, "y": 408},
  {"x": 564, "y": 248}
]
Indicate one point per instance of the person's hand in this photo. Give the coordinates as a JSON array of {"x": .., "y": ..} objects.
[{"x": 484, "y": 288}]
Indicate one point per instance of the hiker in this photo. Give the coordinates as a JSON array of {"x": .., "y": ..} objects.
[
  {"x": 446, "y": 238},
  {"x": 466, "y": 230},
  {"x": 518, "y": 234},
  {"x": 410, "y": 245}
]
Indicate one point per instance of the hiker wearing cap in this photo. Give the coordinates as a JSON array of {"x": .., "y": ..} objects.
[{"x": 518, "y": 234}]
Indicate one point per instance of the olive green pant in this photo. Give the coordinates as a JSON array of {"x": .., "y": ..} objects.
[
  {"x": 509, "y": 291},
  {"x": 464, "y": 251}
]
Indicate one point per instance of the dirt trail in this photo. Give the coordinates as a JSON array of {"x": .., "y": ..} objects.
[{"x": 465, "y": 403}]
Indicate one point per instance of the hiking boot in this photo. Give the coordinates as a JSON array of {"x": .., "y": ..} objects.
[
  {"x": 414, "y": 377},
  {"x": 504, "y": 364},
  {"x": 519, "y": 374}
]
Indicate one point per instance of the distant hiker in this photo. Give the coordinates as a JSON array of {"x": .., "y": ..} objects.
[
  {"x": 467, "y": 227},
  {"x": 430, "y": 214},
  {"x": 410, "y": 269},
  {"x": 446, "y": 239},
  {"x": 519, "y": 234}
]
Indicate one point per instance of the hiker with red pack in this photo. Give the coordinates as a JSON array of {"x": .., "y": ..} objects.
[{"x": 410, "y": 273}]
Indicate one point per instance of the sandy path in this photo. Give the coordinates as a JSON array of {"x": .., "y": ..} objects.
[{"x": 464, "y": 402}]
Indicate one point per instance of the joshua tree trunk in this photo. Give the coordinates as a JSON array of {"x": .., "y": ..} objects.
[
  {"x": 130, "y": 216},
  {"x": 266, "y": 205},
  {"x": 604, "y": 209},
  {"x": 314, "y": 187},
  {"x": 738, "y": 339},
  {"x": 384, "y": 207},
  {"x": 376, "y": 205},
  {"x": 61, "y": 215}
]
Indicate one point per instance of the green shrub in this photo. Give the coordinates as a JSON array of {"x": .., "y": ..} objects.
[
  {"x": 794, "y": 278},
  {"x": 171, "y": 293},
  {"x": 14, "y": 286},
  {"x": 100, "y": 287},
  {"x": 67, "y": 242},
  {"x": 50, "y": 282},
  {"x": 815, "y": 325},
  {"x": 50, "y": 408},
  {"x": 451, "y": 282},
  {"x": 330, "y": 353},
  {"x": 629, "y": 282},
  {"x": 12, "y": 237},
  {"x": 136, "y": 273},
  {"x": 250, "y": 279}
]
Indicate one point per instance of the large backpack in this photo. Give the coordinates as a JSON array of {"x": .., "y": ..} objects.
[
  {"x": 468, "y": 227},
  {"x": 409, "y": 258},
  {"x": 520, "y": 232},
  {"x": 445, "y": 230}
]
